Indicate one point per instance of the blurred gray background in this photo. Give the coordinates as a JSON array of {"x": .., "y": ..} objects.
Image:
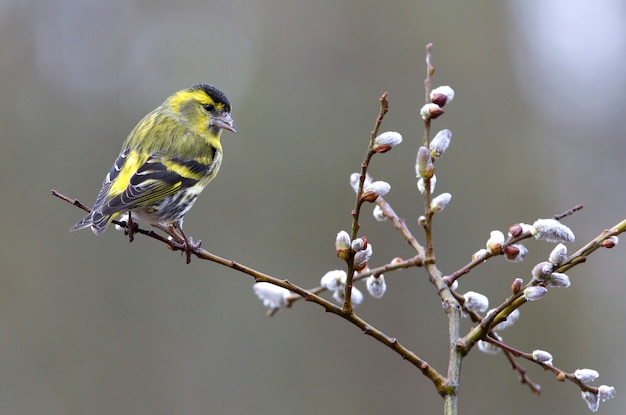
[{"x": 95, "y": 325}]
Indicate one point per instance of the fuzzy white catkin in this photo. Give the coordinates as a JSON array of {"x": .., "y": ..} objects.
[
  {"x": 376, "y": 286},
  {"x": 272, "y": 295}
]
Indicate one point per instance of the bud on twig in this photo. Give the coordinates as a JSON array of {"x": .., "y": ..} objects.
[
  {"x": 375, "y": 190},
  {"x": 558, "y": 255},
  {"x": 558, "y": 280},
  {"x": 475, "y": 302},
  {"x": 334, "y": 280},
  {"x": 494, "y": 243},
  {"x": 355, "y": 179},
  {"x": 586, "y": 375},
  {"x": 273, "y": 296},
  {"x": 542, "y": 356},
  {"x": 593, "y": 400},
  {"x": 356, "y": 296},
  {"x": 342, "y": 245},
  {"x": 517, "y": 285},
  {"x": 535, "y": 292},
  {"x": 424, "y": 166},
  {"x": 610, "y": 242},
  {"x": 430, "y": 111},
  {"x": 606, "y": 392},
  {"x": 552, "y": 230},
  {"x": 421, "y": 221},
  {"x": 376, "y": 285},
  {"x": 440, "y": 202},
  {"x": 515, "y": 252},
  {"x": 386, "y": 141},
  {"x": 520, "y": 228},
  {"x": 439, "y": 144},
  {"x": 378, "y": 214},
  {"x": 359, "y": 244},
  {"x": 421, "y": 186},
  {"x": 542, "y": 271},
  {"x": 488, "y": 348},
  {"x": 362, "y": 256},
  {"x": 442, "y": 95},
  {"x": 593, "y": 403}
]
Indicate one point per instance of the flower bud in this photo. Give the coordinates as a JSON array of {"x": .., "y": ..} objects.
[
  {"x": 535, "y": 292},
  {"x": 442, "y": 95},
  {"x": 424, "y": 166},
  {"x": 515, "y": 230},
  {"x": 386, "y": 141},
  {"x": 439, "y": 144},
  {"x": 551, "y": 230},
  {"x": 421, "y": 185},
  {"x": 592, "y": 400},
  {"x": 440, "y": 202},
  {"x": 362, "y": 256},
  {"x": 542, "y": 271},
  {"x": 355, "y": 179},
  {"x": 359, "y": 244},
  {"x": 520, "y": 228},
  {"x": 487, "y": 348},
  {"x": 606, "y": 392},
  {"x": 558, "y": 255},
  {"x": 356, "y": 296},
  {"x": 376, "y": 285},
  {"x": 273, "y": 296},
  {"x": 378, "y": 213},
  {"x": 334, "y": 280},
  {"x": 475, "y": 302},
  {"x": 515, "y": 252},
  {"x": 610, "y": 242},
  {"x": 586, "y": 375},
  {"x": 430, "y": 111},
  {"x": 517, "y": 285},
  {"x": 542, "y": 356},
  {"x": 494, "y": 243},
  {"x": 342, "y": 245},
  {"x": 375, "y": 190},
  {"x": 557, "y": 280}
]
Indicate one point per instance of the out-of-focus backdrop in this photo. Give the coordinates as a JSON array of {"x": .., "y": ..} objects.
[{"x": 95, "y": 325}]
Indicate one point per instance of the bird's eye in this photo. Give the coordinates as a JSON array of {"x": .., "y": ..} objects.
[{"x": 209, "y": 107}]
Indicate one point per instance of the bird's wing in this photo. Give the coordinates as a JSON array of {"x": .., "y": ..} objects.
[{"x": 134, "y": 186}]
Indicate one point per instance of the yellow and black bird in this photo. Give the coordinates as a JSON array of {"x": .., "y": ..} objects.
[{"x": 165, "y": 163}]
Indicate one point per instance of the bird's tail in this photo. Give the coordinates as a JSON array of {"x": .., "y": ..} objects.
[{"x": 97, "y": 221}]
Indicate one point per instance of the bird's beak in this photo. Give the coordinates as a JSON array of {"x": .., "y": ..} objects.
[{"x": 224, "y": 121}]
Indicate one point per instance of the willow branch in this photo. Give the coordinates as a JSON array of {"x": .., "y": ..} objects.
[
  {"x": 391, "y": 342},
  {"x": 384, "y": 108}
]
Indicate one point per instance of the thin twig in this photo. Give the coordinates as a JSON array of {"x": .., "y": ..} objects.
[
  {"x": 383, "y": 109},
  {"x": 391, "y": 342},
  {"x": 560, "y": 374},
  {"x": 510, "y": 241}
]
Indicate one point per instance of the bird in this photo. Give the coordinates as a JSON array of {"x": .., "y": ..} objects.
[{"x": 166, "y": 161}]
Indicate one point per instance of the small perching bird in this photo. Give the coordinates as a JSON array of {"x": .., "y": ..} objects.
[{"x": 165, "y": 163}]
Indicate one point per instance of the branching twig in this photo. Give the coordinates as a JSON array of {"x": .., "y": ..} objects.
[
  {"x": 454, "y": 303},
  {"x": 560, "y": 374},
  {"x": 384, "y": 108},
  {"x": 310, "y": 296}
]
